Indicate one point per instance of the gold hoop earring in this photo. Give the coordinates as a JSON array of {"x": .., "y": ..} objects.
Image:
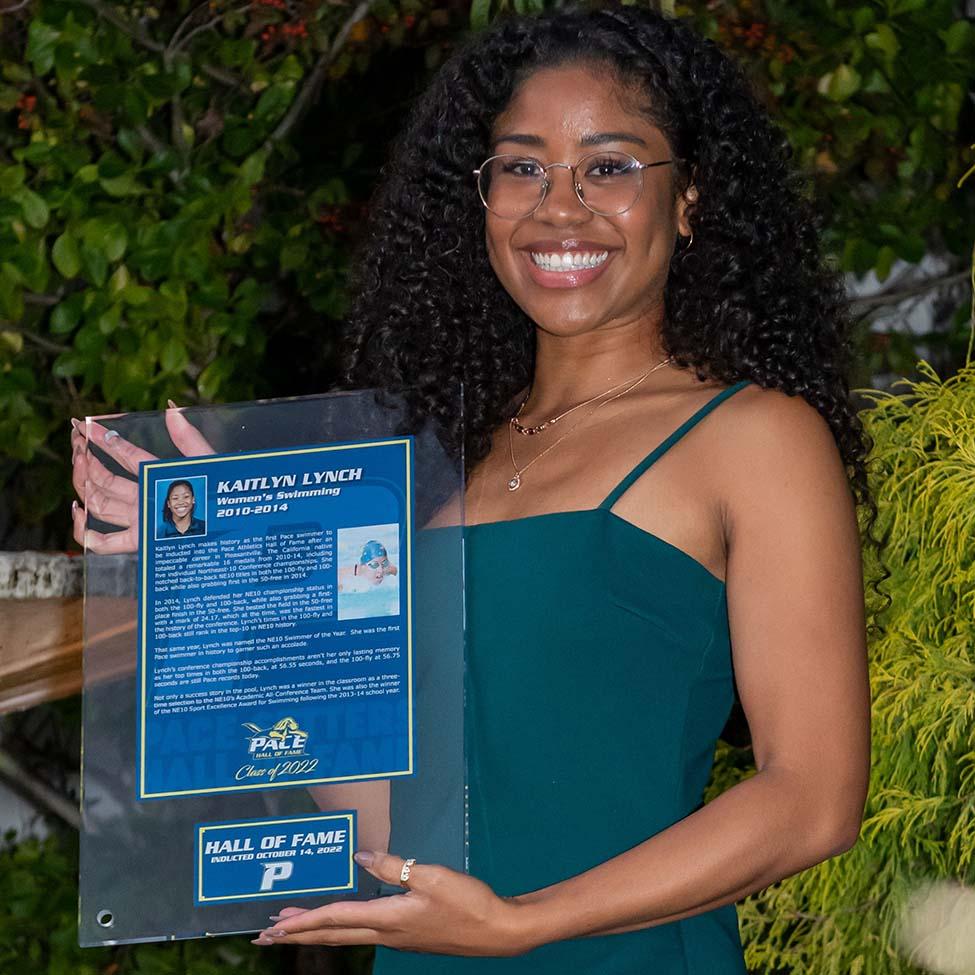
[{"x": 687, "y": 246}]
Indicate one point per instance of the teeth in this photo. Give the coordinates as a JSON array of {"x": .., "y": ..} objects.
[{"x": 569, "y": 261}]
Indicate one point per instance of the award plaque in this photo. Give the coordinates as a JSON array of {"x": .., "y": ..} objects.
[{"x": 273, "y": 662}]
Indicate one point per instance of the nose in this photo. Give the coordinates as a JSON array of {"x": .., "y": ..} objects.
[{"x": 561, "y": 205}]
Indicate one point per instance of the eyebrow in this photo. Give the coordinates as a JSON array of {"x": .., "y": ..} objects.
[{"x": 594, "y": 139}]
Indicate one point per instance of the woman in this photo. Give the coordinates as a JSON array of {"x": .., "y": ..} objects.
[
  {"x": 178, "y": 512},
  {"x": 654, "y": 361}
]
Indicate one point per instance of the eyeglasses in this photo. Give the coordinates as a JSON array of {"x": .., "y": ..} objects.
[{"x": 608, "y": 183}]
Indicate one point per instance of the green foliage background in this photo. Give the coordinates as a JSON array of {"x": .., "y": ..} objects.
[
  {"x": 841, "y": 916},
  {"x": 180, "y": 184},
  {"x": 39, "y": 926}
]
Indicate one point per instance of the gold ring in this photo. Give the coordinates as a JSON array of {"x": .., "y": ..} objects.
[{"x": 404, "y": 874}]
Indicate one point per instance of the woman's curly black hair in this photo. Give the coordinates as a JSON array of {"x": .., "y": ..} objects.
[{"x": 752, "y": 298}]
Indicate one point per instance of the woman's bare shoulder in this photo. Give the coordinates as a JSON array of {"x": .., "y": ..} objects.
[
  {"x": 767, "y": 422},
  {"x": 772, "y": 449}
]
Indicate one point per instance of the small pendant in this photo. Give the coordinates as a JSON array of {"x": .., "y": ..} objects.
[{"x": 514, "y": 483}]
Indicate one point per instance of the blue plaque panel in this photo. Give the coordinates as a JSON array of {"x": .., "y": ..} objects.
[{"x": 275, "y": 642}]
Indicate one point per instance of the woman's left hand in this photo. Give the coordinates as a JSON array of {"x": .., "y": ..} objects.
[{"x": 442, "y": 912}]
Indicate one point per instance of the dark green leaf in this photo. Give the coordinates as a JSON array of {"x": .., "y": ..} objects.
[
  {"x": 11, "y": 294},
  {"x": 957, "y": 36},
  {"x": 33, "y": 206},
  {"x": 69, "y": 364},
  {"x": 124, "y": 185},
  {"x": 41, "y": 40},
  {"x": 173, "y": 356},
  {"x": 67, "y": 315},
  {"x": 66, "y": 256},
  {"x": 106, "y": 236},
  {"x": 293, "y": 255},
  {"x": 480, "y": 13},
  {"x": 11, "y": 179},
  {"x": 273, "y": 101},
  {"x": 885, "y": 260},
  {"x": 252, "y": 168},
  {"x": 95, "y": 264}
]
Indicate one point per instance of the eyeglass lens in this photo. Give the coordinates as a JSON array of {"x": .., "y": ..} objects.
[{"x": 513, "y": 186}]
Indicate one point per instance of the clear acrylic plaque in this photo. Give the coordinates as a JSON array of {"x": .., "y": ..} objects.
[{"x": 273, "y": 662}]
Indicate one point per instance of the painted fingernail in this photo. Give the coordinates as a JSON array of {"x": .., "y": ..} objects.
[
  {"x": 364, "y": 858},
  {"x": 110, "y": 435},
  {"x": 76, "y": 423},
  {"x": 262, "y": 941},
  {"x": 276, "y": 934},
  {"x": 274, "y": 917}
]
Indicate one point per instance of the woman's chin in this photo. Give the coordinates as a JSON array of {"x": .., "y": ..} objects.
[{"x": 568, "y": 325}]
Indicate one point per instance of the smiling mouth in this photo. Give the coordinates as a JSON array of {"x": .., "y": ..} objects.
[{"x": 569, "y": 261}]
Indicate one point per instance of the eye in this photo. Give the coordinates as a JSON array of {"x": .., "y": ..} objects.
[
  {"x": 609, "y": 166},
  {"x": 530, "y": 168}
]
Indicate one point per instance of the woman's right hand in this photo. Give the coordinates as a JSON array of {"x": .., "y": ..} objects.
[{"x": 113, "y": 498}]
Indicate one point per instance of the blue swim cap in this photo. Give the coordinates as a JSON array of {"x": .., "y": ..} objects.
[{"x": 372, "y": 550}]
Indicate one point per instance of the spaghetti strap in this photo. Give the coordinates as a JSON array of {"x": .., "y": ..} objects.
[{"x": 662, "y": 448}]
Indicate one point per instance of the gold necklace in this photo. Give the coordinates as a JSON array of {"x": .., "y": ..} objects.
[
  {"x": 538, "y": 428},
  {"x": 515, "y": 482}
]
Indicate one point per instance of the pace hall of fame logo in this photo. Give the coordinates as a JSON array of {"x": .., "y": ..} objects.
[
  {"x": 282, "y": 740},
  {"x": 285, "y": 741}
]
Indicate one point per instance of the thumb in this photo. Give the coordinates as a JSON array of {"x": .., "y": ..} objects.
[
  {"x": 187, "y": 439},
  {"x": 384, "y": 866},
  {"x": 287, "y": 912}
]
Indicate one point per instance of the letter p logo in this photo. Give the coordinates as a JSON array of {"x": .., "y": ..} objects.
[{"x": 273, "y": 872}]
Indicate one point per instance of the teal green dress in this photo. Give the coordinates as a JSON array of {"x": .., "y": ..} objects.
[{"x": 595, "y": 698}]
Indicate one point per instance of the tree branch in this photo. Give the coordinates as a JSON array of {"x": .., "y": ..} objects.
[
  {"x": 309, "y": 91},
  {"x": 38, "y": 340},
  {"x": 175, "y": 43},
  {"x": 46, "y": 301},
  {"x": 138, "y": 34},
  {"x": 135, "y": 31},
  {"x": 863, "y": 306},
  {"x": 182, "y": 24},
  {"x": 42, "y": 795}
]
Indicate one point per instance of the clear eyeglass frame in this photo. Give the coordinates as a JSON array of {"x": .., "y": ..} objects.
[{"x": 545, "y": 183}]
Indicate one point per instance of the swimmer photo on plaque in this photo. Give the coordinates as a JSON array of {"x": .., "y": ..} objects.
[{"x": 368, "y": 578}]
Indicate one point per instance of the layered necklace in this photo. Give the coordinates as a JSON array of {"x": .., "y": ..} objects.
[{"x": 515, "y": 426}]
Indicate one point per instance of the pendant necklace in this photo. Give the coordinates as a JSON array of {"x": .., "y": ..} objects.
[{"x": 515, "y": 482}]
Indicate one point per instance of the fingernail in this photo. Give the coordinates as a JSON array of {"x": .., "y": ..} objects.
[
  {"x": 274, "y": 917},
  {"x": 364, "y": 858},
  {"x": 75, "y": 423},
  {"x": 110, "y": 435},
  {"x": 262, "y": 941},
  {"x": 276, "y": 934},
  {"x": 172, "y": 405},
  {"x": 74, "y": 507}
]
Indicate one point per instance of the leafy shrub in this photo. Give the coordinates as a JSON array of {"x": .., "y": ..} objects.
[{"x": 39, "y": 925}]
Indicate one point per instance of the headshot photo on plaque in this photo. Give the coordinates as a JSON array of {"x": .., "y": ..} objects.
[{"x": 178, "y": 510}]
